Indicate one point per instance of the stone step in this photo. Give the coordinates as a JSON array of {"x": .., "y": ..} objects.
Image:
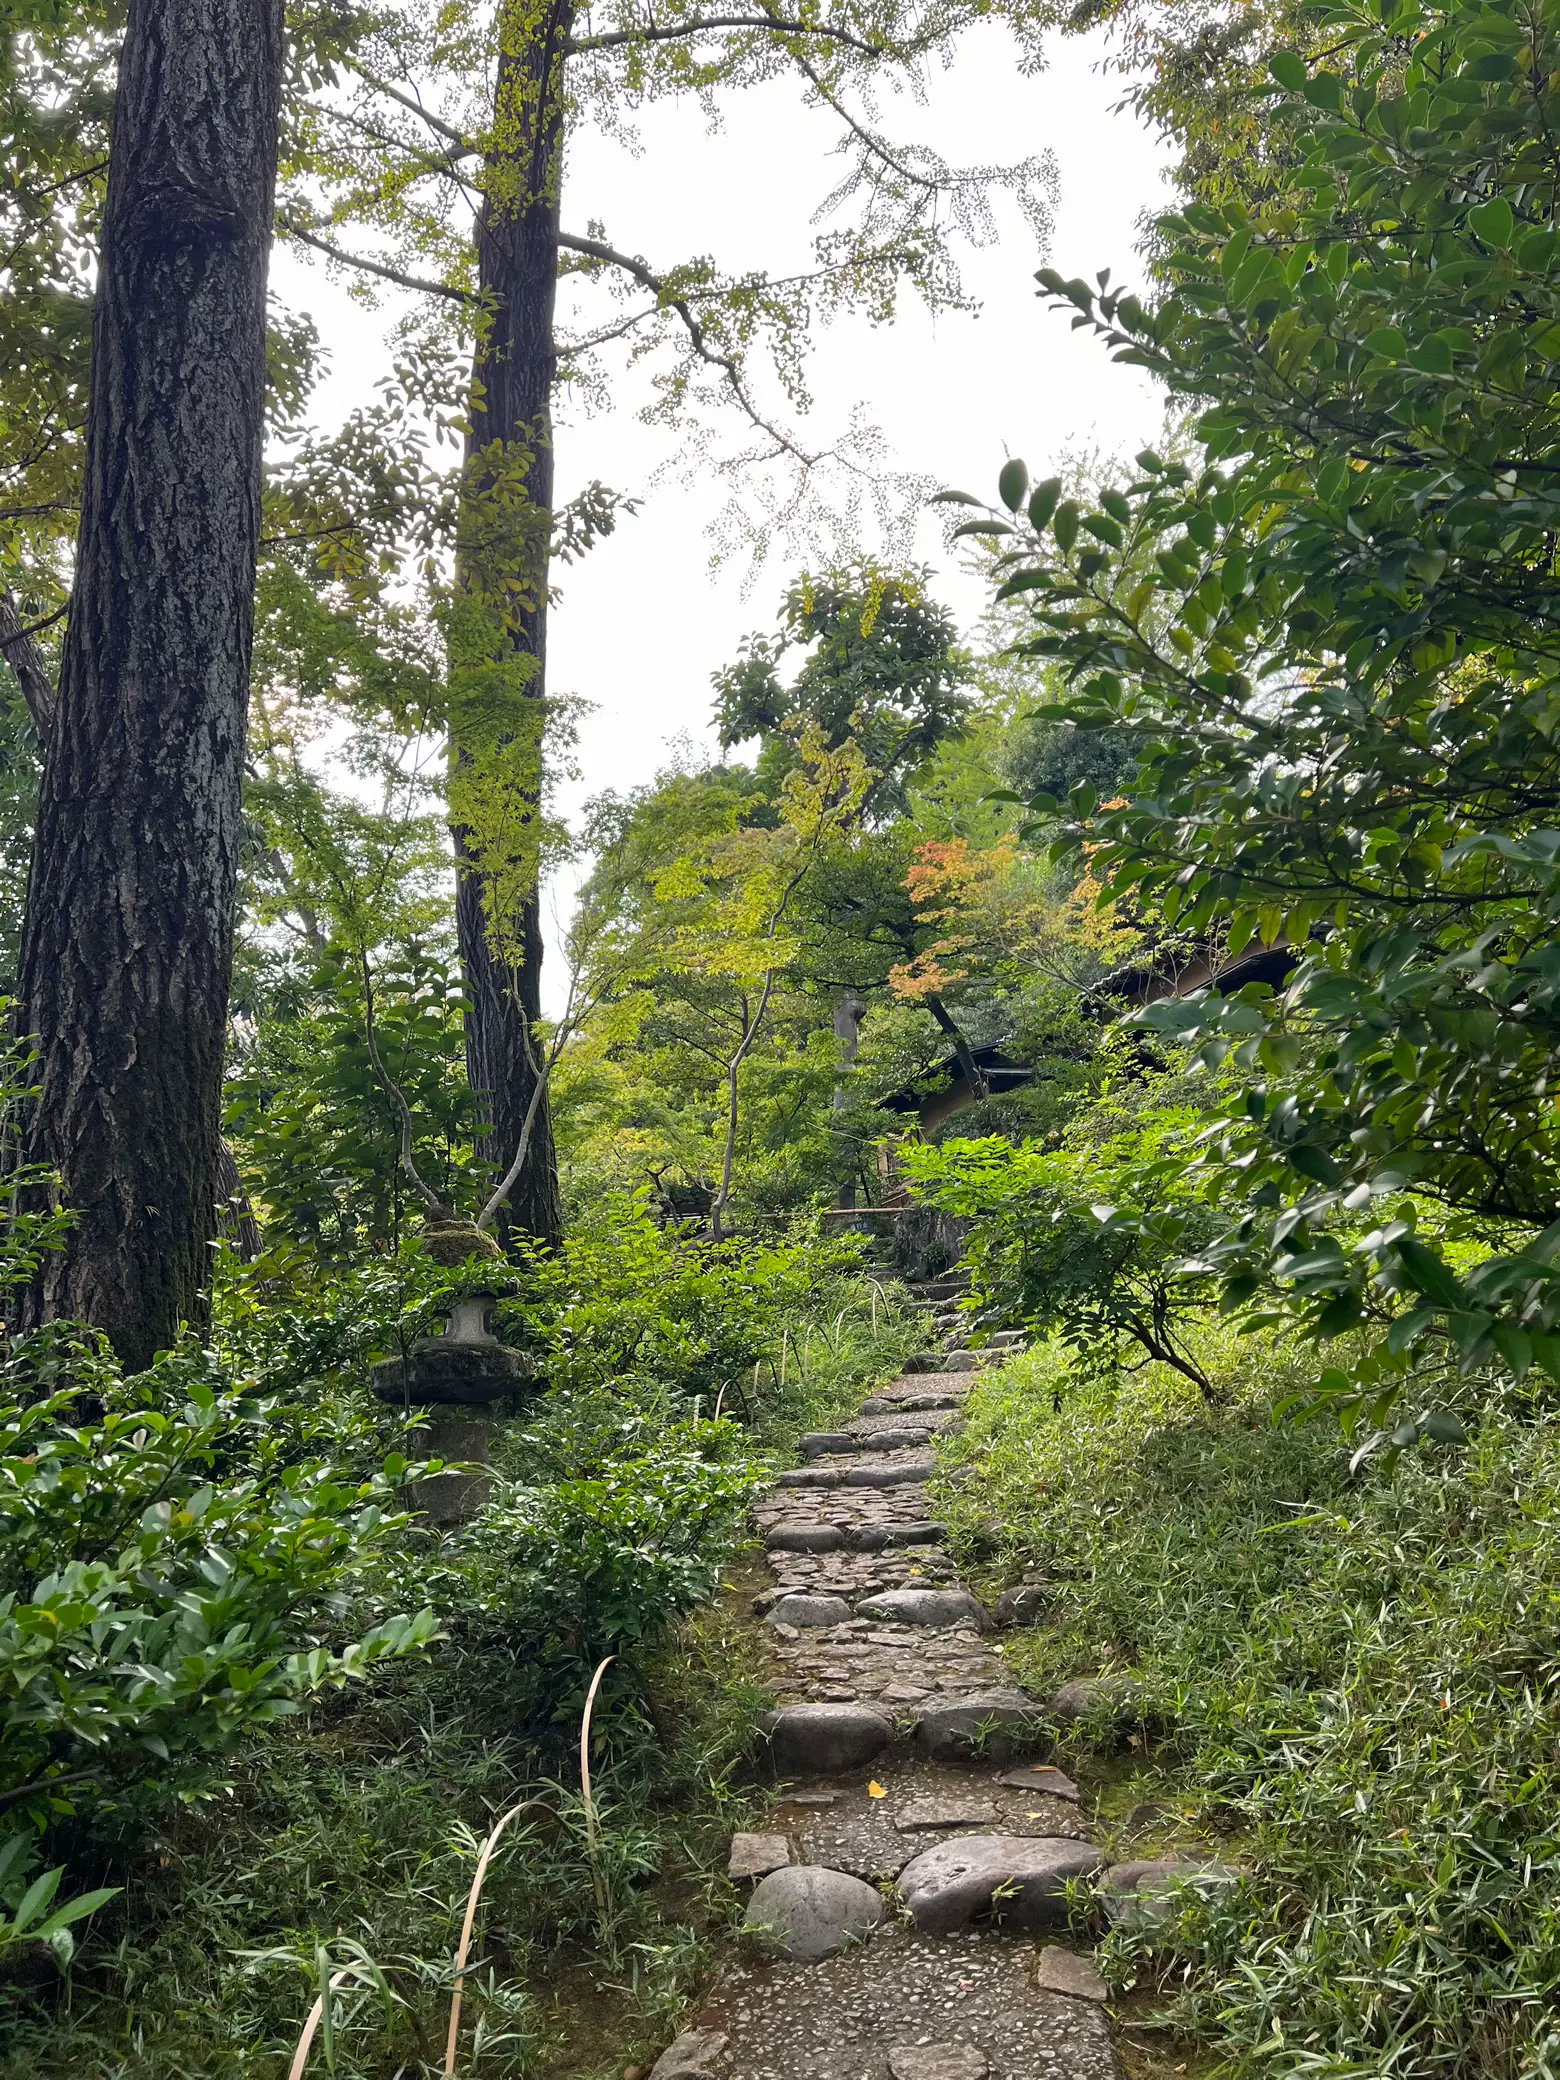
[
  {"x": 881, "y": 1661},
  {"x": 903, "y": 2006},
  {"x": 893, "y": 1436},
  {"x": 914, "y": 1401},
  {"x": 814, "y": 1536}
]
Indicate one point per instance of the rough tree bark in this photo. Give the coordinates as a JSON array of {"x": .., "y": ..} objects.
[
  {"x": 513, "y": 373},
  {"x": 21, "y": 654},
  {"x": 127, "y": 949}
]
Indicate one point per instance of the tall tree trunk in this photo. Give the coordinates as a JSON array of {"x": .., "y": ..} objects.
[
  {"x": 502, "y": 619},
  {"x": 964, "y": 1054},
  {"x": 127, "y": 949}
]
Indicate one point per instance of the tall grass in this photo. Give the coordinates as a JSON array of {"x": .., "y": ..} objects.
[{"x": 1351, "y": 1685}]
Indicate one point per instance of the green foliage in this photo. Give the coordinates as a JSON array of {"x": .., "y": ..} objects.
[
  {"x": 1354, "y": 1686},
  {"x": 1096, "y": 1238},
  {"x": 317, "y": 1131},
  {"x": 603, "y": 1565},
  {"x": 882, "y": 668},
  {"x": 622, "y": 1298},
  {"x": 1343, "y": 653},
  {"x": 33, "y": 1917},
  {"x": 166, "y": 1572}
]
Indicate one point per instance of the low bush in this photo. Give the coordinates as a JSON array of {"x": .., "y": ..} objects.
[{"x": 349, "y": 1830}]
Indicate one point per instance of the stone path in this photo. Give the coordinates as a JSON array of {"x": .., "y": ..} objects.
[{"x": 912, "y": 1888}]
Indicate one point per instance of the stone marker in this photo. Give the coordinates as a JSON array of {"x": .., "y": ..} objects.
[
  {"x": 813, "y": 1912},
  {"x": 824, "y": 1740},
  {"x": 756, "y": 1855},
  {"x": 1064, "y": 1971},
  {"x": 696, "y": 2055},
  {"x": 945, "y": 1812},
  {"x": 1110, "y": 1698},
  {"x": 1143, "y": 1893},
  {"x": 810, "y": 1610},
  {"x": 945, "y": 1887},
  {"x": 1043, "y": 1777},
  {"x": 937, "y": 2062},
  {"x": 994, "y": 1725},
  {"x": 926, "y": 1607}
]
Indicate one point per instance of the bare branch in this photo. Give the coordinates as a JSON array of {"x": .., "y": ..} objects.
[
  {"x": 670, "y": 32},
  {"x": 290, "y": 229},
  {"x": 468, "y": 149},
  {"x": 873, "y": 143},
  {"x": 730, "y": 367}
]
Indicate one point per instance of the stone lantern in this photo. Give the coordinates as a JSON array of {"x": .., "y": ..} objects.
[{"x": 459, "y": 1376}]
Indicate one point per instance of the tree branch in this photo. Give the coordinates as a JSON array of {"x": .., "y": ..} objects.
[
  {"x": 290, "y": 229},
  {"x": 864, "y": 136},
  {"x": 21, "y": 654},
  {"x": 647, "y": 278},
  {"x": 426, "y": 115},
  {"x": 670, "y": 32}
]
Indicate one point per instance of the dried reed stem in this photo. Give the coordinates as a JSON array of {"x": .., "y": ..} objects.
[
  {"x": 316, "y": 2017},
  {"x": 592, "y": 1837},
  {"x": 466, "y": 1927}
]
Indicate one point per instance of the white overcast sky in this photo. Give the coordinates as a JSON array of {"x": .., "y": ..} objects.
[{"x": 644, "y": 621}]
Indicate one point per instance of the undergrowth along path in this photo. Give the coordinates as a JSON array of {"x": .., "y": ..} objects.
[{"x": 921, "y": 1868}]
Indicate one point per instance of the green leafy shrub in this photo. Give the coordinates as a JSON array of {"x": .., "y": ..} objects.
[
  {"x": 1095, "y": 1238},
  {"x": 592, "y": 1566},
  {"x": 172, "y": 1573},
  {"x": 625, "y": 1298}
]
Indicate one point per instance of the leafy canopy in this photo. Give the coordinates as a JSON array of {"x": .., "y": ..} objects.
[{"x": 1344, "y": 646}]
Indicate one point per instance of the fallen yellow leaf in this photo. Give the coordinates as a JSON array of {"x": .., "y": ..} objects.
[{"x": 875, "y": 1790}]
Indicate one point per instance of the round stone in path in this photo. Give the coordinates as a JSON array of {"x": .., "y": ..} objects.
[
  {"x": 947, "y": 1886},
  {"x": 810, "y": 1610},
  {"x": 937, "y": 2062},
  {"x": 805, "y": 1538},
  {"x": 927, "y": 1607},
  {"x": 992, "y": 1725},
  {"x": 1146, "y": 1893},
  {"x": 824, "y": 1740},
  {"x": 1110, "y": 1699},
  {"x": 892, "y": 1473},
  {"x": 812, "y": 1912}
]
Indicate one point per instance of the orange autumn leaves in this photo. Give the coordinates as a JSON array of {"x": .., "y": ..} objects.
[{"x": 998, "y": 915}]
